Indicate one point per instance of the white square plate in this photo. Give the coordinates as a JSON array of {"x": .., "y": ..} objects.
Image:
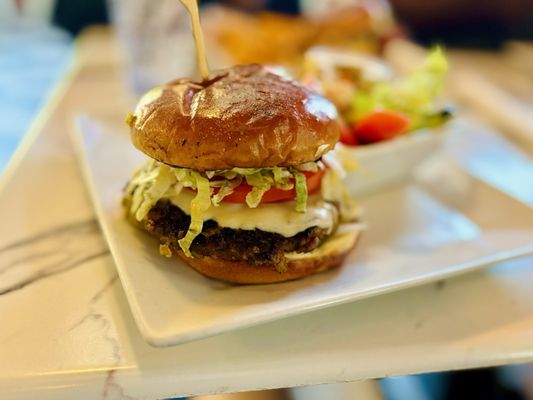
[{"x": 418, "y": 232}]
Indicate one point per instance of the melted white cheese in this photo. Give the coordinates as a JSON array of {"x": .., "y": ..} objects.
[{"x": 269, "y": 217}]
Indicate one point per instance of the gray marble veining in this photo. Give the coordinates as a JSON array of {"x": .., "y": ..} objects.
[{"x": 41, "y": 256}]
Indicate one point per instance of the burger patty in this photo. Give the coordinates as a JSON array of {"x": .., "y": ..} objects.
[{"x": 169, "y": 223}]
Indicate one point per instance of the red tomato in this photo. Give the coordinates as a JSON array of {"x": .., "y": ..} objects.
[
  {"x": 313, "y": 180},
  {"x": 380, "y": 125},
  {"x": 347, "y": 137}
]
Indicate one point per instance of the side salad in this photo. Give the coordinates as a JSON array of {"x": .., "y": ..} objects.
[{"x": 382, "y": 110}]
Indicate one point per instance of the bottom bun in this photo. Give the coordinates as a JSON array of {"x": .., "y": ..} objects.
[{"x": 329, "y": 255}]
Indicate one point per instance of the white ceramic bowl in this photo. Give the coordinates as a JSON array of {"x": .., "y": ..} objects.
[{"x": 392, "y": 161}]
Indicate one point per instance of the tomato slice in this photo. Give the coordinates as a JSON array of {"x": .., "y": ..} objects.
[
  {"x": 313, "y": 180},
  {"x": 380, "y": 125}
]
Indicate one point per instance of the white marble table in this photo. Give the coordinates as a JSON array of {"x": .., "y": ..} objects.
[{"x": 66, "y": 331}]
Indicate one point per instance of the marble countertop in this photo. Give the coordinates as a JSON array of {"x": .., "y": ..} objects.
[{"x": 66, "y": 330}]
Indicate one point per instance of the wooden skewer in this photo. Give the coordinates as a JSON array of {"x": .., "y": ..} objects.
[{"x": 192, "y": 8}]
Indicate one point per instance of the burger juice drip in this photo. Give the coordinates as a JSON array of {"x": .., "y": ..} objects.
[{"x": 192, "y": 8}]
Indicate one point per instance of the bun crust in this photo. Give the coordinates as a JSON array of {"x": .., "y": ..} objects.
[
  {"x": 240, "y": 117},
  {"x": 330, "y": 255}
]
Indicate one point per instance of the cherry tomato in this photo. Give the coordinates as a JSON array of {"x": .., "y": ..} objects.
[
  {"x": 380, "y": 125},
  {"x": 347, "y": 137}
]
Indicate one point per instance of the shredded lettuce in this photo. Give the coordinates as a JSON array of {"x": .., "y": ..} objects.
[
  {"x": 245, "y": 171},
  {"x": 225, "y": 189},
  {"x": 301, "y": 191},
  {"x": 199, "y": 205},
  {"x": 260, "y": 185},
  {"x": 308, "y": 167},
  {"x": 333, "y": 189},
  {"x": 282, "y": 178},
  {"x": 154, "y": 190},
  {"x": 414, "y": 95},
  {"x": 154, "y": 181},
  {"x": 322, "y": 149},
  {"x": 185, "y": 177},
  {"x": 278, "y": 174}
]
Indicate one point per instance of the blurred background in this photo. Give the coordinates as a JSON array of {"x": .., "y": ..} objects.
[
  {"x": 37, "y": 42},
  {"x": 490, "y": 45}
]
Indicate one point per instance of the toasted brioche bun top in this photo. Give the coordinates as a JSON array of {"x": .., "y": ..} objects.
[{"x": 240, "y": 117}]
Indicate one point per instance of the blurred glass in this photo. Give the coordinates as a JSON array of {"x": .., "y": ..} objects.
[{"x": 156, "y": 40}]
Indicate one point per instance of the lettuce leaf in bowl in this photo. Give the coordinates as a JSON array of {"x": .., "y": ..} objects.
[{"x": 414, "y": 95}]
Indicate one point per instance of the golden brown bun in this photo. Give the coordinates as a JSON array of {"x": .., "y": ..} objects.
[
  {"x": 240, "y": 117},
  {"x": 329, "y": 255}
]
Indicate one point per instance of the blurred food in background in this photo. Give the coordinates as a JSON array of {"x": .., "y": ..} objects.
[
  {"x": 157, "y": 43},
  {"x": 389, "y": 120},
  {"x": 339, "y": 73},
  {"x": 237, "y": 37},
  {"x": 374, "y": 104}
]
